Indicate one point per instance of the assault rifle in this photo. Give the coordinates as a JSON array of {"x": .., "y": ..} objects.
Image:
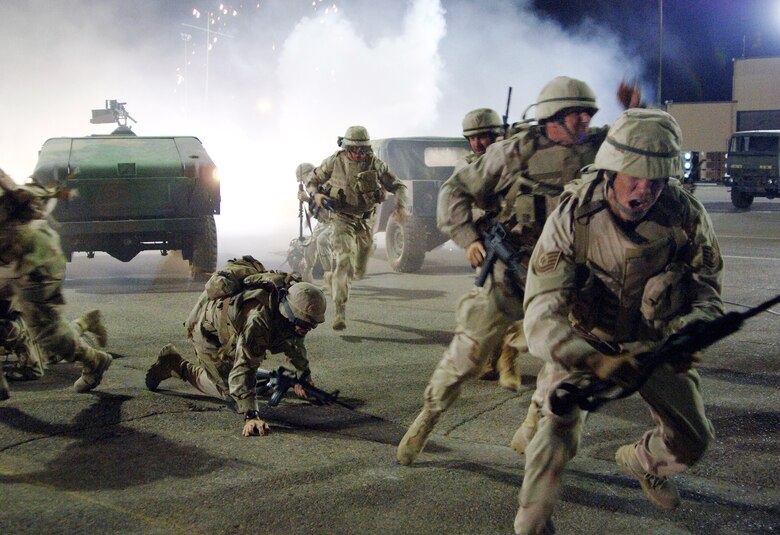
[
  {"x": 506, "y": 113},
  {"x": 279, "y": 381},
  {"x": 587, "y": 391},
  {"x": 327, "y": 203},
  {"x": 497, "y": 246},
  {"x": 300, "y": 214}
]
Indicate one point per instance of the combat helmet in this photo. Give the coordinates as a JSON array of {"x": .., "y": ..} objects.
[
  {"x": 561, "y": 93},
  {"x": 302, "y": 172},
  {"x": 305, "y": 302},
  {"x": 356, "y": 136},
  {"x": 643, "y": 143},
  {"x": 482, "y": 121}
]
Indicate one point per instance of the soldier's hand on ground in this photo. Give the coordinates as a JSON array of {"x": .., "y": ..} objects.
[
  {"x": 300, "y": 392},
  {"x": 318, "y": 198},
  {"x": 623, "y": 369},
  {"x": 302, "y": 196},
  {"x": 255, "y": 427},
  {"x": 400, "y": 215},
  {"x": 629, "y": 95},
  {"x": 476, "y": 253}
]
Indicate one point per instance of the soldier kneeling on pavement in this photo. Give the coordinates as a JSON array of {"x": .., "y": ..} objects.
[
  {"x": 32, "y": 270},
  {"x": 244, "y": 312}
]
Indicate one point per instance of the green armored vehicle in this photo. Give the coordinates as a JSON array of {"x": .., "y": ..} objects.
[
  {"x": 423, "y": 164},
  {"x": 133, "y": 194}
]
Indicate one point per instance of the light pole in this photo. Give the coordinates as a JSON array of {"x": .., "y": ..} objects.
[{"x": 660, "y": 49}]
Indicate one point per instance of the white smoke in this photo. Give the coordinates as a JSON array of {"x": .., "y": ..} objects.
[{"x": 283, "y": 79}]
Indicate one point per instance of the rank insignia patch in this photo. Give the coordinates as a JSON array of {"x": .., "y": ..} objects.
[
  {"x": 547, "y": 262},
  {"x": 711, "y": 256}
]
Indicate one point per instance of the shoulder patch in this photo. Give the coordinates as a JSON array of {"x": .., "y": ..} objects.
[
  {"x": 710, "y": 256},
  {"x": 547, "y": 262}
]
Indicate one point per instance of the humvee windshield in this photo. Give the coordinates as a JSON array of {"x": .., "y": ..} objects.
[{"x": 756, "y": 144}]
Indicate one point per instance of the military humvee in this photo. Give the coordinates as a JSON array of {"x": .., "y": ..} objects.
[
  {"x": 134, "y": 193},
  {"x": 423, "y": 164},
  {"x": 753, "y": 166}
]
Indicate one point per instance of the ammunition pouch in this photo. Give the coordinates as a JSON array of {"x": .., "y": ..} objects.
[{"x": 666, "y": 295}]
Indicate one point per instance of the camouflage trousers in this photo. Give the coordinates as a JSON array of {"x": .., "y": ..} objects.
[
  {"x": 319, "y": 249},
  {"x": 680, "y": 437},
  {"x": 17, "y": 342},
  {"x": 483, "y": 317},
  {"x": 352, "y": 243},
  {"x": 210, "y": 375},
  {"x": 40, "y": 302}
]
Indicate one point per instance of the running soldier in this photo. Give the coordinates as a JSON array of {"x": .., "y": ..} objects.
[
  {"x": 358, "y": 181},
  {"x": 32, "y": 270},
  {"x": 318, "y": 249},
  {"x": 516, "y": 182},
  {"x": 626, "y": 260}
]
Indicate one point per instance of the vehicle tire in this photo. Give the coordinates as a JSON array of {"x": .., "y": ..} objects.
[
  {"x": 204, "y": 251},
  {"x": 740, "y": 199},
  {"x": 406, "y": 244}
]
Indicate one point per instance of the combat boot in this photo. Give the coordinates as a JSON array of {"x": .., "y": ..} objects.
[
  {"x": 169, "y": 364},
  {"x": 339, "y": 321},
  {"x": 5, "y": 392},
  {"x": 659, "y": 490},
  {"x": 416, "y": 436},
  {"x": 94, "y": 364},
  {"x": 92, "y": 322},
  {"x": 527, "y": 429},
  {"x": 508, "y": 373}
]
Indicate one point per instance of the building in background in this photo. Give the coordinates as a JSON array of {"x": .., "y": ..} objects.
[{"x": 754, "y": 105}]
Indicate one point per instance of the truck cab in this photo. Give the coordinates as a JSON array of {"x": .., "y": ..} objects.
[{"x": 752, "y": 164}]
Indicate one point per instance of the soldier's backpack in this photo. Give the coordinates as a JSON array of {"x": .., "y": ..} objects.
[{"x": 240, "y": 274}]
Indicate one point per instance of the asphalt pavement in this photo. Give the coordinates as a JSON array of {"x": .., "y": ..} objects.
[{"x": 126, "y": 460}]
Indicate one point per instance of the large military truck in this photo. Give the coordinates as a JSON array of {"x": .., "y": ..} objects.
[
  {"x": 423, "y": 164},
  {"x": 133, "y": 194},
  {"x": 753, "y": 166}
]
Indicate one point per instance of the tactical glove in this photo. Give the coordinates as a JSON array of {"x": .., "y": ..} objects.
[
  {"x": 686, "y": 361},
  {"x": 622, "y": 369}
]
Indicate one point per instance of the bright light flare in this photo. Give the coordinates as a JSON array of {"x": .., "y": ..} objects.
[{"x": 264, "y": 105}]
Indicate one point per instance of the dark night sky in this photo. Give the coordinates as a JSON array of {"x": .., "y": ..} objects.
[{"x": 700, "y": 37}]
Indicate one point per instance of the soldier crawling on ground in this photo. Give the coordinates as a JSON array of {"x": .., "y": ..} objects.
[{"x": 244, "y": 312}]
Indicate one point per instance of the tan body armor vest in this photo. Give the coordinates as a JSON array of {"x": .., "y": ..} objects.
[
  {"x": 547, "y": 168},
  {"x": 355, "y": 185},
  {"x": 619, "y": 263}
]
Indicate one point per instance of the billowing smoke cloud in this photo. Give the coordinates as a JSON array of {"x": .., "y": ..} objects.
[{"x": 281, "y": 81}]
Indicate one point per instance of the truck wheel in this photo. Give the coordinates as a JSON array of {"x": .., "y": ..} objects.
[
  {"x": 740, "y": 199},
  {"x": 204, "y": 251},
  {"x": 405, "y": 244}
]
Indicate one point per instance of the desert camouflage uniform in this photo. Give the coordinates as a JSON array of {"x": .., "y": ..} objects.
[
  {"x": 588, "y": 278},
  {"x": 319, "y": 248},
  {"x": 32, "y": 269},
  {"x": 231, "y": 336},
  {"x": 16, "y": 342},
  {"x": 515, "y": 182},
  {"x": 356, "y": 188}
]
